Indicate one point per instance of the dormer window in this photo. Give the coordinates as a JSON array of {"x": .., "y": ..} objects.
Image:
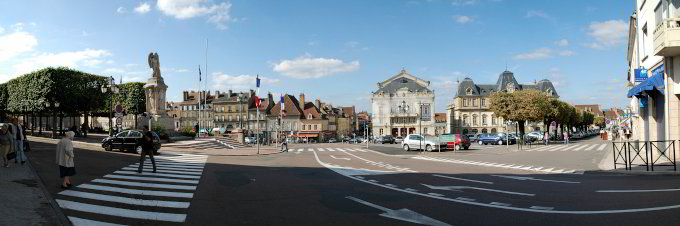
[
  {"x": 309, "y": 116},
  {"x": 468, "y": 91}
]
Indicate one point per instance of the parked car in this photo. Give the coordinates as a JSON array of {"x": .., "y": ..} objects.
[
  {"x": 332, "y": 140},
  {"x": 455, "y": 141},
  {"x": 499, "y": 138},
  {"x": 427, "y": 143},
  {"x": 398, "y": 140},
  {"x": 472, "y": 137},
  {"x": 535, "y": 136},
  {"x": 387, "y": 139},
  {"x": 129, "y": 140},
  {"x": 249, "y": 140}
]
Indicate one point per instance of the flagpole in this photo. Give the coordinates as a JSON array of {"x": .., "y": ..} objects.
[
  {"x": 198, "y": 131},
  {"x": 257, "y": 106},
  {"x": 205, "y": 98}
]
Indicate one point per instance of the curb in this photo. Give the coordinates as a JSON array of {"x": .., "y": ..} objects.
[
  {"x": 63, "y": 220},
  {"x": 638, "y": 173}
]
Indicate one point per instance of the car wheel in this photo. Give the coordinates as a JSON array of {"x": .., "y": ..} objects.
[
  {"x": 137, "y": 150},
  {"x": 466, "y": 147},
  {"x": 428, "y": 148},
  {"x": 481, "y": 143},
  {"x": 500, "y": 142},
  {"x": 107, "y": 147},
  {"x": 406, "y": 148},
  {"x": 457, "y": 147}
]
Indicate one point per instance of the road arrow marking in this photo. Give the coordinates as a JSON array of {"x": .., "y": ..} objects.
[
  {"x": 457, "y": 188},
  {"x": 339, "y": 158},
  {"x": 401, "y": 214},
  {"x": 535, "y": 179}
]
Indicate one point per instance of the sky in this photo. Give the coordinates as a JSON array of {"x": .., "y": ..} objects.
[{"x": 336, "y": 51}]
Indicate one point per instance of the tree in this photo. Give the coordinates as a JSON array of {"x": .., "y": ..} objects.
[
  {"x": 133, "y": 98},
  {"x": 599, "y": 121},
  {"x": 520, "y": 106}
]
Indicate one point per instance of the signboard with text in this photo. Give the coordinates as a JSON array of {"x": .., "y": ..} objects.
[{"x": 640, "y": 75}]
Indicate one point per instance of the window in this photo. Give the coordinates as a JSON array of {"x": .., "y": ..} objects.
[
  {"x": 474, "y": 102},
  {"x": 484, "y": 120},
  {"x": 483, "y": 102},
  {"x": 309, "y": 116},
  {"x": 465, "y": 120},
  {"x": 493, "y": 120},
  {"x": 474, "y": 120},
  {"x": 468, "y": 91},
  {"x": 315, "y": 128},
  {"x": 644, "y": 42},
  {"x": 134, "y": 134},
  {"x": 425, "y": 131},
  {"x": 230, "y": 118},
  {"x": 381, "y": 131}
]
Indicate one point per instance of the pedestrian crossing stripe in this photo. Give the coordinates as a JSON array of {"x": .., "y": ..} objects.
[
  {"x": 120, "y": 212},
  {"x": 319, "y": 149},
  {"x": 125, "y": 200},
  {"x": 601, "y": 147},
  {"x": 519, "y": 167}
]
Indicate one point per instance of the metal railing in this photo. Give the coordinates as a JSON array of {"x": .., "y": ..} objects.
[{"x": 644, "y": 153}]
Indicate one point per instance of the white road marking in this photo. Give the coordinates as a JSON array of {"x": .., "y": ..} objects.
[
  {"x": 360, "y": 150},
  {"x": 111, "y": 211},
  {"x": 519, "y": 167},
  {"x": 435, "y": 194},
  {"x": 402, "y": 214},
  {"x": 148, "y": 185},
  {"x": 637, "y": 191},
  {"x": 85, "y": 222},
  {"x": 602, "y": 147},
  {"x": 188, "y": 165},
  {"x": 158, "y": 169},
  {"x": 173, "y": 167},
  {"x": 463, "y": 179},
  {"x": 542, "y": 208},
  {"x": 391, "y": 185},
  {"x": 183, "y": 158},
  {"x": 339, "y": 158},
  {"x": 500, "y": 204},
  {"x": 374, "y": 181},
  {"x": 300, "y": 150},
  {"x": 535, "y": 179},
  {"x": 410, "y": 189},
  {"x": 152, "y": 179},
  {"x": 591, "y": 147},
  {"x": 476, "y": 188},
  {"x": 319, "y": 149},
  {"x": 157, "y": 174},
  {"x": 188, "y": 162},
  {"x": 118, "y": 199},
  {"x": 465, "y": 199},
  {"x": 581, "y": 147},
  {"x": 382, "y": 165},
  {"x": 330, "y": 149},
  {"x": 137, "y": 192}
]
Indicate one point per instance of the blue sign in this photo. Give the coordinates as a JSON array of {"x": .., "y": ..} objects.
[
  {"x": 640, "y": 75},
  {"x": 643, "y": 102},
  {"x": 658, "y": 70}
]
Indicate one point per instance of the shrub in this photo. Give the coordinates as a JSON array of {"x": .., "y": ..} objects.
[{"x": 187, "y": 131}]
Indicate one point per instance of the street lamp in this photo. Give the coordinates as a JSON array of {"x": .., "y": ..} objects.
[
  {"x": 113, "y": 89},
  {"x": 240, "y": 110},
  {"x": 403, "y": 108},
  {"x": 54, "y": 107}
]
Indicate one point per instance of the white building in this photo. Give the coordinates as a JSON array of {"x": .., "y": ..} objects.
[
  {"x": 654, "y": 47},
  {"x": 403, "y": 104}
]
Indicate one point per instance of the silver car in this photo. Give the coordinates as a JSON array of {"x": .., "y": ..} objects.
[{"x": 418, "y": 142}]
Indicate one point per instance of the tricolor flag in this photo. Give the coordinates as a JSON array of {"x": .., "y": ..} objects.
[
  {"x": 283, "y": 106},
  {"x": 199, "y": 72},
  {"x": 257, "y": 81}
]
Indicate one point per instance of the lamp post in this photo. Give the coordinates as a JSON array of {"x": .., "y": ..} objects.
[
  {"x": 112, "y": 89},
  {"x": 240, "y": 110},
  {"x": 54, "y": 107},
  {"x": 403, "y": 109}
]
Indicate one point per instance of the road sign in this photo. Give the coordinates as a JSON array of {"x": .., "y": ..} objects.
[
  {"x": 119, "y": 121},
  {"x": 118, "y": 115},
  {"x": 119, "y": 108}
]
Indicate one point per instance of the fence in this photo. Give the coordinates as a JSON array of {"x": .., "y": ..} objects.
[{"x": 644, "y": 153}]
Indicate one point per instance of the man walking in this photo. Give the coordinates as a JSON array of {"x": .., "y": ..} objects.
[
  {"x": 18, "y": 132},
  {"x": 147, "y": 149}
]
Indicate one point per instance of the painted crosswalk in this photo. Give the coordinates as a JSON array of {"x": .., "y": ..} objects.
[
  {"x": 302, "y": 150},
  {"x": 566, "y": 147},
  {"x": 126, "y": 196},
  {"x": 502, "y": 165}
]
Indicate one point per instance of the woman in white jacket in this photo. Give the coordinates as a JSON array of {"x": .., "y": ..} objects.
[{"x": 65, "y": 159}]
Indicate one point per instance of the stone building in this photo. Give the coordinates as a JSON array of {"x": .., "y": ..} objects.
[
  {"x": 440, "y": 122},
  {"x": 403, "y": 104},
  {"x": 231, "y": 111},
  {"x": 187, "y": 112},
  {"x": 471, "y": 113}
]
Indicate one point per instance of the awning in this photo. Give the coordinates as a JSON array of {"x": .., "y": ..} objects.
[
  {"x": 307, "y": 135},
  {"x": 653, "y": 83}
]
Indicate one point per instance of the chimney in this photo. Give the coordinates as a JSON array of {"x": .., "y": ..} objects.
[
  {"x": 217, "y": 93},
  {"x": 230, "y": 93},
  {"x": 186, "y": 95},
  {"x": 302, "y": 101},
  {"x": 318, "y": 103}
]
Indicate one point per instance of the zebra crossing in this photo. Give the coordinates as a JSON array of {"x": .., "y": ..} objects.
[
  {"x": 301, "y": 150},
  {"x": 502, "y": 165},
  {"x": 213, "y": 144},
  {"x": 126, "y": 196},
  {"x": 567, "y": 147}
]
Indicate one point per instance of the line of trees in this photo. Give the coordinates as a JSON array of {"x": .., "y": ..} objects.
[
  {"x": 78, "y": 94},
  {"x": 535, "y": 106}
]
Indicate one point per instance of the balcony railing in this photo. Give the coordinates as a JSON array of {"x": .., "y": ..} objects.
[{"x": 667, "y": 37}]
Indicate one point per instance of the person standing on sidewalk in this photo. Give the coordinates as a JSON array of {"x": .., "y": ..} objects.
[
  {"x": 65, "y": 159},
  {"x": 18, "y": 131},
  {"x": 147, "y": 149},
  {"x": 566, "y": 137},
  {"x": 5, "y": 144},
  {"x": 546, "y": 138}
]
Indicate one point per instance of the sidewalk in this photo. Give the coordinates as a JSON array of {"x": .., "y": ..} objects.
[{"x": 24, "y": 200}]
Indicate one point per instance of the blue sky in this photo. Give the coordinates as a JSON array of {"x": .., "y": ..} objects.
[{"x": 334, "y": 50}]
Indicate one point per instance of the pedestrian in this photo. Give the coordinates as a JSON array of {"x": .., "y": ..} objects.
[
  {"x": 65, "y": 158},
  {"x": 20, "y": 135},
  {"x": 566, "y": 137},
  {"x": 602, "y": 134},
  {"x": 5, "y": 144},
  {"x": 147, "y": 149},
  {"x": 284, "y": 145},
  {"x": 546, "y": 138}
]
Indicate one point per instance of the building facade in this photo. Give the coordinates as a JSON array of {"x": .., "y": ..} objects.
[
  {"x": 470, "y": 112},
  {"x": 231, "y": 110},
  {"x": 188, "y": 112},
  {"x": 402, "y": 105},
  {"x": 440, "y": 122}
]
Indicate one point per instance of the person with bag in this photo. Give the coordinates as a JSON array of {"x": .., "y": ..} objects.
[
  {"x": 65, "y": 159},
  {"x": 19, "y": 133},
  {"x": 147, "y": 149},
  {"x": 5, "y": 145}
]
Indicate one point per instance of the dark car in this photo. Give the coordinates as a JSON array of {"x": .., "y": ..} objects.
[
  {"x": 129, "y": 140},
  {"x": 499, "y": 138},
  {"x": 387, "y": 139}
]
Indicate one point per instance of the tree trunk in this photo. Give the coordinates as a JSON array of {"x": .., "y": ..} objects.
[
  {"x": 40, "y": 126},
  {"x": 61, "y": 125},
  {"x": 520, "y": 124},
  {"x": 85, "y": 122}
]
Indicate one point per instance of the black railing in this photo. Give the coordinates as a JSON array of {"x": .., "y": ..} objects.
[{"x": 644, "y": 153}]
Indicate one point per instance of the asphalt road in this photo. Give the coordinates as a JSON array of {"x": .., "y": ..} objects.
[{"x": 341, "y": 184}]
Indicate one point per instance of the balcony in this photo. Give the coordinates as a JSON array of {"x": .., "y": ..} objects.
[{"x": 667, "y": 38}]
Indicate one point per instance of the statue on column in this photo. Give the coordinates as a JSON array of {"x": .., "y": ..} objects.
[{"x": 155, "y": 65}]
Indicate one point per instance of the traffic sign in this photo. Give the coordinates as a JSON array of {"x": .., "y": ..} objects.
[
  {"x": 118, "y": 115},
  {"x": 119, "y": 121},
  {"x": 119, "y": 108}
]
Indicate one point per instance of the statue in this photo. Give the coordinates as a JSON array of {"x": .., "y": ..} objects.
[{"x": 155, "y": 65}]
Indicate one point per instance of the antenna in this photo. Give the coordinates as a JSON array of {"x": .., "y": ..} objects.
[{"x": 506, "y": 64}]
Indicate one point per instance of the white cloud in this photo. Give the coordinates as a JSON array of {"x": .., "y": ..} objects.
[
  {"x": 223, "y": 81},
  {"x": 562, "y": 42},
  {"x": 464, "y": 2},
  {"x": 306, "y": 67},
  {"x": 113, "y": 71},
  {"x": 16, "y": 43},
  {"x": 217, "y": 14},
  {"x": 121, "y": 10},
  {"x": 566, "y": 53},
  {"x": 607, "y": 33},
  {"x": 539, "y": 14},
  {"x": 463, "y": 19},
  {"x": 67, "y": 59},
  {"x": 2, "y": 30},
  {"x": 538, "y": 54},
  {"x": 18, "y": 26},
  {"x": 143, "y": 8}
]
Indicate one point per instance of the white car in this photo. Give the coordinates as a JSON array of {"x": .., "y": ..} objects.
[{"x": 417, "y": 141}]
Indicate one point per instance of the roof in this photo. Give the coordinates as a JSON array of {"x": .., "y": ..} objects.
[
  {"x": 595, "y": 108},
  {"x": 403, "y": 80},
  {"x": 439, "y": 117},
  {"x": 291, "y": 106},
  {"x": 349, "y": 111},
  {"x": 310, "y": 108},
  {"x": 505, "y": 80}
]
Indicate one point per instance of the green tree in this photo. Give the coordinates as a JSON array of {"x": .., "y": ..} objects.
[
  {"x": 520, "y": 106},
  {"x": 599, "y": 121}
]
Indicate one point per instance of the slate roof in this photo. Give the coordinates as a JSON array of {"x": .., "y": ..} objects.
[
  {"x": 402, "y": 80},
  {"x": 505, "y": 78}
]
